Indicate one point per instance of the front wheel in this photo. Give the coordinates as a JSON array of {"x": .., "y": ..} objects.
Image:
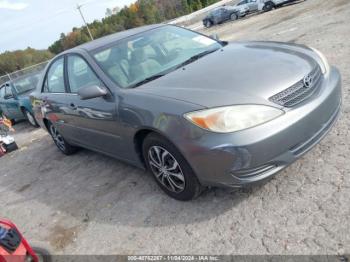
[
  {"x": 268, "y": 7},
  {"x": 60, "y": 142},
  {"x": 208, "y": 24},
  {"x": 234, "y": 17},
  {"x": 30, "y": 117},
  {"x": 170, "y": 169}
]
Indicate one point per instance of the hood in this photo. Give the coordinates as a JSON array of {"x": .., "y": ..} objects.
[{"x": 239, "y": 73}]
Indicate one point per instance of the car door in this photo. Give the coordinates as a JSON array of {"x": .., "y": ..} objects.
[
  {"x": 12, "y": 104},
  {"x": 93, "y": 122},
  {"x": 243, "y": 3},
  {"x": 253, "y": 5},
  {"x": 224, "y": 14},
  {"x": 53, "y": 98},
  {"x": 217, "y": 16},
  {"x": 3, "y": 109}
]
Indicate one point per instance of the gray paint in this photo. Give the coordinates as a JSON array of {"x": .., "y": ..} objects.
[{"x": 240, "y": 73}]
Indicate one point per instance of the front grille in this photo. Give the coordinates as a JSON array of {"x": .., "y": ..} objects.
[{"x": 299, "y": 92}]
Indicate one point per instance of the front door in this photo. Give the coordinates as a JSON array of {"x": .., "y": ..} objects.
[
  {"x": 94, "y": 122},
  {"x": 253, "y": 5},
  {"x": 12, "y": 105}
]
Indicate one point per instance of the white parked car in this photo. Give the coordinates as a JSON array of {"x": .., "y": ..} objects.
[{"x": 268, "y": 5}]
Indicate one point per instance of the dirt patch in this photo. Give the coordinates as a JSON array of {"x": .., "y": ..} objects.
[
  {"x": 60, "y": 237},
  {"x": 284, "y": 19}
]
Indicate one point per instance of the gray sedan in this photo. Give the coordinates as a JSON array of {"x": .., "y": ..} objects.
[{"x": 188, "y": 107}]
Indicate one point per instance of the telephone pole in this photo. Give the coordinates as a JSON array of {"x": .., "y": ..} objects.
[{"x": 82, "y": 16}]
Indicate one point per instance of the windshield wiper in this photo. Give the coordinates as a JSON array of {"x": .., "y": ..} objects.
[
  {"x": 148, "y": 79},
  {"x": 188, "y": 61},
  {"x": 196, "y": 57}
]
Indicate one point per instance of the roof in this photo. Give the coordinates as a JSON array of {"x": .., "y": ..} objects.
[{"x": 106, "y": 40}]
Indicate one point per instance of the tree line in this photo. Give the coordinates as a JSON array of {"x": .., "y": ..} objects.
[
  {"x": 17, "y": 60},
  {"x": 142, "y": 12}
]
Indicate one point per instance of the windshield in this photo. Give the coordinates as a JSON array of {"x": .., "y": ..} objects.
[
  {"x": 26, "y": 84},
  {"x": 152, "y": 54}
]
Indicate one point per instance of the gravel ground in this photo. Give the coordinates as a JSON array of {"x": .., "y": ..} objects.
[{"x": 90, "y": 203}]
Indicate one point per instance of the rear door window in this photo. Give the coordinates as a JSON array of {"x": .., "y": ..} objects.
[{"x": 54, "y": 82}]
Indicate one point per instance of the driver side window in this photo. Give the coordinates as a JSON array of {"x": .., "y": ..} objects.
[{"x": 80, "y": 74}]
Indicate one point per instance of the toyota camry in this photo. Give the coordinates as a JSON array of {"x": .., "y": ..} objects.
[{"x": 193, "y": 110}]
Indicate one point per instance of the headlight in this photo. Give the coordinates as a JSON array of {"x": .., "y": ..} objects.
[
  {"x": 325, "y": 65},
  {"x": 233, "y": 118}
]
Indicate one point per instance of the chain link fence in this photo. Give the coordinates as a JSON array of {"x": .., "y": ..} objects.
[{"x": 23, "y": 73}]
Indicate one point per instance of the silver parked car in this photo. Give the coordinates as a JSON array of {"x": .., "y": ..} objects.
[
  {"x": 225, "y": 13},
  {"x": 179, "y": 104},
  {"x": 252, "y": 5}
]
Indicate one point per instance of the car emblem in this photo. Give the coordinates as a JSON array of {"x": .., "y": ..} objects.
[{"x": 308, "y": 80}]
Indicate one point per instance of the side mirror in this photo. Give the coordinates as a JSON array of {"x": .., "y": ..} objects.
[
  {"x": 215, "y": 37},
  {"x": 90, "y": 92}
]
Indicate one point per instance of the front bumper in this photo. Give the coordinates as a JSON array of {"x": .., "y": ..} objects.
[{"x": 252, "y": 155}]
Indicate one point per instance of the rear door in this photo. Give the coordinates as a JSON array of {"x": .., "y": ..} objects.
[
  {"x": 3, "y": 108},
  {"x": 54, "y": 97}
]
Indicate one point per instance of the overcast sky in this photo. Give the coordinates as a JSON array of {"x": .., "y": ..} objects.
[{"x": 38, "y": 23}]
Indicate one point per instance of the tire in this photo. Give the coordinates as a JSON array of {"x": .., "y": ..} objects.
[
  {"x": 179, "y": 182},
  {"x": 42, "y": 254},
  {"x": 60, "y": 142},
  {"x": 30, "y": 118},
  {"x": 268, "y": 7},
  {"x": 234, "y": 17},
  {"x": 208, "y": 24}
]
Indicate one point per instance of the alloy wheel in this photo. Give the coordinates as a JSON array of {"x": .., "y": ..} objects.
[
  {"x": 57, "y": 138},
  {"x": 166, "y": 169}
]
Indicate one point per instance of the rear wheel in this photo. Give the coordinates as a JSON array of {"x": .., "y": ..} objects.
[
  {"x": 60, "y": 142},
  {"x": 170, "y": 169},
  {"x": 234, "y": 17}
]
